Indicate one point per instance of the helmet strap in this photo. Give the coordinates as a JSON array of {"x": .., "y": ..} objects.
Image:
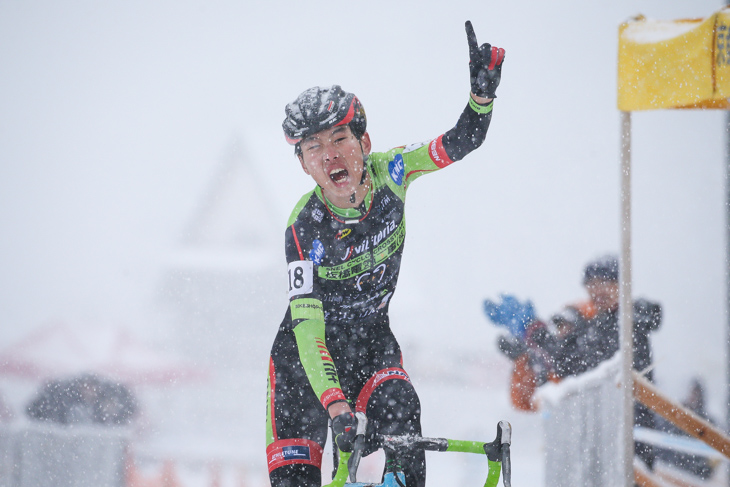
[
  {"x": 364, "y": 172},
  {"x": 364, "y": 163},
  {"x": 364, "y": 175}
]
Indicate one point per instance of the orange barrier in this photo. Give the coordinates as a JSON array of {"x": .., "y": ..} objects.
[
  {"x": 686, "y": 420},
  {"x": 643, "y": 477},
  {"x": 166, "y": 478}
]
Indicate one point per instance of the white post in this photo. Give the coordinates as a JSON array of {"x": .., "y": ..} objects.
[
  {"x": 626, "y": 303},
  {"x": 727, "y": 276}
]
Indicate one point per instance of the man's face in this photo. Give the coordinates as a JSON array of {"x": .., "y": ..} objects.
[
  {"x": 604, "y": 294},
  {"x": 334, "y": 159}
]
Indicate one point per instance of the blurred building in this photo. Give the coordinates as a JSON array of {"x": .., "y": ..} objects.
[
  {"x": 224, "y": 292},
  {"x": 224, "y": 285}
]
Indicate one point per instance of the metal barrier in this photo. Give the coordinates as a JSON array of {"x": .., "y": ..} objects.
[
  {"x": 581, "y": 419},
  {"x": 47, "y": 455}
]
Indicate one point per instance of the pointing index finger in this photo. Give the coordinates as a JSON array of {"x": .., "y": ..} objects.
[{"x": 471, "y": 37}]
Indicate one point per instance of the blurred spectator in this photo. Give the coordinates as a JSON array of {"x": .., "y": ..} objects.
[
  {"x": 576, "y": 340},
  {"x": 85, "y": 399}
]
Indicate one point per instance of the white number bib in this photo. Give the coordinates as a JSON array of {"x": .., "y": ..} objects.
[{"x": 301, "y": 277}]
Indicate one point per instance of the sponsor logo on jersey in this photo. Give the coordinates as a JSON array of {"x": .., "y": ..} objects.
[
  {"x": 396, "y": 169},
  {"x": 412, "y": 147},
  {"x": 317, "y": 253},
  {"x": 343, "y": 233},
  {"x": 348, "y": 253},
  {"x": 376, "y": 276},
  {"x": 297, "y": 452},
  {"x": 294, "y": 452},
  {"x": 378, "y": 237},
  {"x": 317, "y": 214},
  {"x": 385, "y": 300},
  {"x": 433, "y": 149},
  {"x": 327, "y": 362},
  {"x": 354, "y": 250},
  {"x": 330, "y": 395},
  {"x": 383, "y": 203},
  {"x": 359, "y": 249},
  {"x": 390, "y": 374},
  {"x": 275, "y": 457}
]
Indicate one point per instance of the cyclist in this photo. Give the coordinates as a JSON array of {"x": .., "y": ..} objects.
[{"x": 334, "y": 351}]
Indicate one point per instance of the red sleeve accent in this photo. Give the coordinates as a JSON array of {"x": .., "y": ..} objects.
[
  {"x": 296, "y": 241},
  {"x": 293, "y": 450},
  {"x": 381, "y": 376},
  {"x": 417, "y": 171},
  {"x": 272, "y": 394},
  {"x": 332, "y": 395},
  {"x": 438, "y": 153}
]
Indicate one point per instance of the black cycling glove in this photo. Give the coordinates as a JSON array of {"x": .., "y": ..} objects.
[
  {"x": 344, "y": 429},
  {"x": 485, "y": 65}
]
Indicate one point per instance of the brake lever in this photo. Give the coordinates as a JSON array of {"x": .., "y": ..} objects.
[
  {"x": 499, "y": 451},
  {"x": 505, "y": 452},
  {"x": 358, "y": 446}
]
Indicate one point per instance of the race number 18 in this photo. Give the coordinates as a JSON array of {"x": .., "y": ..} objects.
[{"x": 300, "y": 277}]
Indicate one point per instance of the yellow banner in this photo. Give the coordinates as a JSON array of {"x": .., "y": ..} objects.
[{"x": 674, "y": 64}]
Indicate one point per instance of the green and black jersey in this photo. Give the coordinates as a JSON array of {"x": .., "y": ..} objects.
[{"x": 343, "y": 264}]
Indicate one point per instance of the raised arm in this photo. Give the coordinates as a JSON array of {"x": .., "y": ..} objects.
[{"x": 485, "y": 72}]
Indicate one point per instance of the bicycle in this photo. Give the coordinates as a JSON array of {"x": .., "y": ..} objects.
[{"x": 497, "y": 452}]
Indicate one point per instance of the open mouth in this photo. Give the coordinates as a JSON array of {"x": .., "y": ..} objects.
[{"x": 338, "y": 175}]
